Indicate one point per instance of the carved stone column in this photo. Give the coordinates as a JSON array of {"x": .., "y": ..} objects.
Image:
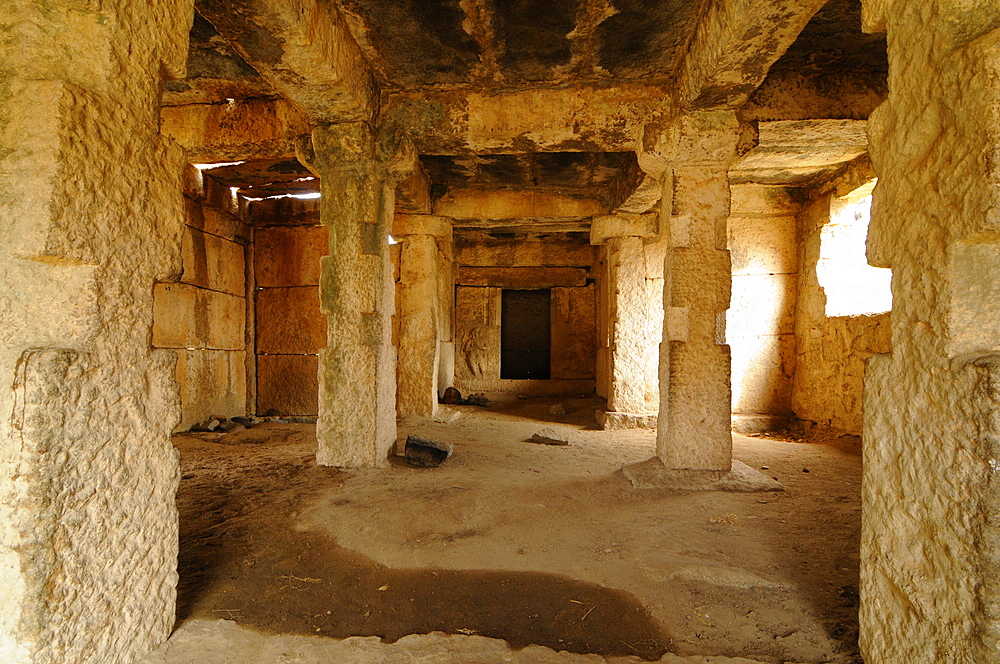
[
  {"x": 357, "y": 368},
  {"x": 629, "y": 310},
  {"x": 420, "y": 310}
]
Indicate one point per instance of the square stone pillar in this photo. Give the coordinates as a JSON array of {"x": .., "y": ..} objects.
[
  {"x": 420, "y": 308},
  {"x": 694, "y": 427},
  {"x": 357, "y": 368},
  {"x": 628, "y": 311}
]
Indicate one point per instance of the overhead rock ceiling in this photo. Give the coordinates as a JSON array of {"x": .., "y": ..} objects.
[{"x": 414, "y": 44}]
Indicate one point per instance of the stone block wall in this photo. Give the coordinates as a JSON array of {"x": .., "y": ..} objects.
[
  {"x": 484, "y": 266},
  {"x": 831, "y": 350},
  {"x": 92, "y": 217},
  {"x": 760, "y": 322},
  {"x": 202, "y": 316},
  {"x": 290, "y": 326}
]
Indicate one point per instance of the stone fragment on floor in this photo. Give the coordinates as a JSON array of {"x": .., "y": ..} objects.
[
  {"x": 550, "y": 437},
  {"x": 426, "y": 453}
]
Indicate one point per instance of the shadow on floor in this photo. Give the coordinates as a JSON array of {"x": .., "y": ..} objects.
[{"x": 241, "y": 560}]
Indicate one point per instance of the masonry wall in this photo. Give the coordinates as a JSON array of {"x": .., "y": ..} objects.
[
  {"x": 484, "y": 266},
  {"x": 93, "y": 217},
  {"x": 930, "y": 583},
  {"x": 202, "y": 317},
  {"x": 832, "y": 350},
  {"x": 760, "y": 326},
  {"x": 289, "y": 241}
]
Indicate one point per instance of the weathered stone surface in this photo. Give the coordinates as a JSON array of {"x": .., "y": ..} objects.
[
  {"x": 628, "y": 314},
  {"x": 417, "y": 299},
  {"x": 421, "y": 224},
  {"x": 580, "y": 118},
  {"x": 653, "y": 474},
  {"x": 92, "y": 216},
  {"x": 763, "y": 370},
  {"x": 285, "y": 212},
  {"x": 426, "y": 453},
  {"x": 289, "y": 256},
  {"x": 550, "y": 437},
  {"x": 762, "y": 305},
  {"x": 212, "y": 262},
  {"x": 477, "y": 334},
  {"x": 693, "y": 432},
  {"x": 763, "y": 245},
  {"x": 185, "y": 316},
  {"x": 219, "y": 642},
  {"x": 219, "y": 222},
  {"x": 798, "y": 151},
  {"x": 621, "y": 224},
  {"x": 830, "y": 351},
  {"x": 289, "y": 321},
  {"x": 573, "y": 332},
  {"x": 287, "y": 384},
  {"x": 212, "y": 382},
  {"x": 734, "y": 45},
  {"x": 553, "y": 251},
  {"x": 612, "y": 421},
  {"x": 357, "y": 383},
  {"x": 928, "y": 542},
  {"x": 523, "y": 278},
  {"x": 240, "y": 129},
  {"x": 305, "y": 52},
  {"x": 503, "y": 204}
]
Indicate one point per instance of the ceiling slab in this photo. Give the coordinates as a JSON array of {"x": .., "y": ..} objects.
[{"x": 797, "y": 152}]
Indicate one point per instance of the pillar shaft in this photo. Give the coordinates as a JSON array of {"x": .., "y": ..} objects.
[
  {"x": 694, "y": 430},
  {"x": 357, "y": 382},
  {"x": 418, "y": 327},
  {"x": 628, "y": 311}
]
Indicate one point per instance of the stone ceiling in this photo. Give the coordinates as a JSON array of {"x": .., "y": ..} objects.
[{"x": 414, "y": 44}]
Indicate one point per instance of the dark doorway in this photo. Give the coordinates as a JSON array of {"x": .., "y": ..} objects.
[{"x": 525, "y": 338}]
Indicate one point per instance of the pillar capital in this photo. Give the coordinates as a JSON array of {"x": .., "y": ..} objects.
[
  {"x": 422, "y": 224},
  {"x": 624, "y": 224},
  {"x": 701, "y": 138}
]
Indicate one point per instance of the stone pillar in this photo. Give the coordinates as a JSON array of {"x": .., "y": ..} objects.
[
  {"x": 931, "y": 419},
  {"x": 357, "y": 368},
  {"x": 92, "y": 215},
  {"x": 694, "y": 427},
  {"x": 628, "y": 311},
  {"x": 419, "y": 311}
]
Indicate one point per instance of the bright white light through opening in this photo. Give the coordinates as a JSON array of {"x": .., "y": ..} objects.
[
  {"x": 393, "y": 240},
  {"x": 220, "y": 164},
  {"x": 307, "y": 196},
  {"x": 852, "y": 286}
]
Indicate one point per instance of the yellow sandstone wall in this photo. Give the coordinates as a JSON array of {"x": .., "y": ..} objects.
[
  {"x": 929, "y": 576},
  {"x": 202, "y": 316},
  {"x": 291, "y": 328},
  {"x": 92, "y": 216}
]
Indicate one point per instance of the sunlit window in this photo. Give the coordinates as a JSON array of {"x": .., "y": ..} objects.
[{"x": 852, "y": 286}]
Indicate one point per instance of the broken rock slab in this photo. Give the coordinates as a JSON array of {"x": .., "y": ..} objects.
[
  {"x": 611, "y": 421},
  {"x": 550, "y": 437},
  {"x": 426, "y": 453},
  {"x": 652, "y": 474}
]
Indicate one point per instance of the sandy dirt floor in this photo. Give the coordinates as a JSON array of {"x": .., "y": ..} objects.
[{"x": 528, "y": 543}]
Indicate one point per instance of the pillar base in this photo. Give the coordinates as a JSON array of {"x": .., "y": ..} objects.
[
  {"x": 748, "y": 424},
  {"x": 652, "y": 474},
  {"x": 612, "y": 420}
]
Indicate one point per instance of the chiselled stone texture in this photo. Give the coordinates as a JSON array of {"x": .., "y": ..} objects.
[
  {"x": 92, "y": 209},
  {"x": 928, "y": 559},
  {"x": 695, "y": 395},
  {"x": 417, "y": 389},
  {"x": 357, "y": 384},
  {"x": 831, "y": 351}
]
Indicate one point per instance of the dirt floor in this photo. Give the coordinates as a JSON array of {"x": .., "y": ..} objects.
[{"x": 528, "y": 543}]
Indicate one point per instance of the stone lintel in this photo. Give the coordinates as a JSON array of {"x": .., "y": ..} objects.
[
  {"x": 421, "y": 224},
  {"x": 522, "y": 278},
  {"x": 624, "y": 224},
  {"x": 503, "y": 204},
  {"x": 735, "y": 45},
  {"x": 304, "y": 50},
  {"x": 583, "y": 118}
]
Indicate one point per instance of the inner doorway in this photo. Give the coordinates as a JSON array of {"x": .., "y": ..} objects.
[{"x": 525, "y": 334}]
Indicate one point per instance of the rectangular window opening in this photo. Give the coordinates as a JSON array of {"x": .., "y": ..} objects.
[{"x": 525, "y": 334}]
